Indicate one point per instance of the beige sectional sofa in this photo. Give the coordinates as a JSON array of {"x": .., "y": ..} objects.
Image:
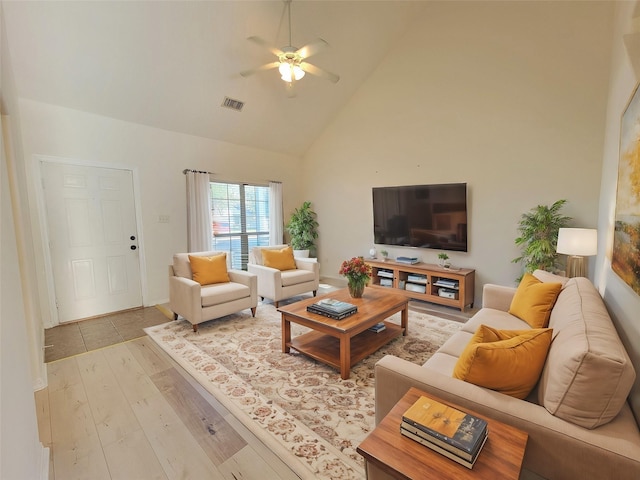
[{"x": 579, "y": 421}]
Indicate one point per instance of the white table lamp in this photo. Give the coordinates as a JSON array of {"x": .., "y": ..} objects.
[{"x": 577, "y": 243}]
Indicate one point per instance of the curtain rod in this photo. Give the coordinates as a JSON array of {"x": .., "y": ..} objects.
[{"x": 187, "y": 170}]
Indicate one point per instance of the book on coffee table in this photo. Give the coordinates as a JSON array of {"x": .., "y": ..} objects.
[
  {"x": 457, "y": 432},
  {"x": 335, "y": 316},
  {"x": 335, "y": 306}
]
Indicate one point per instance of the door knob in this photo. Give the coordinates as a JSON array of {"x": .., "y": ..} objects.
[
  {"x": 133, "y": 247},
  {"x": 132, "y": 237}
]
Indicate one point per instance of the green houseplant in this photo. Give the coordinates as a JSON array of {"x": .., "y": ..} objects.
[
  {"x": 538, "y": 237},
  {"x": 302, "y": 227}
]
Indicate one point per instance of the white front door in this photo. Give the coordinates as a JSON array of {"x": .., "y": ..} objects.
[{"x": 93, "y": 239}]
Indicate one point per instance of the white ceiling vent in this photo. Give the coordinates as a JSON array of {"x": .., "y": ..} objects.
[{"x": 232, "y": 104}]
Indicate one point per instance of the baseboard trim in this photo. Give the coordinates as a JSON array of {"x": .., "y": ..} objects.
[{"x": 45, "y": 458}]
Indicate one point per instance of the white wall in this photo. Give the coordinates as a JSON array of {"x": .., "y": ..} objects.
[
  {"x": 22, "y": 455},
  {"x": 509, "y": 97},
  {"x": 159, "y": 156},
  {"x": 622, "y": 302}
]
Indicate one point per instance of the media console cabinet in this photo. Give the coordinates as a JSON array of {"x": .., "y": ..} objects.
[{"x": 453, "y": 287}]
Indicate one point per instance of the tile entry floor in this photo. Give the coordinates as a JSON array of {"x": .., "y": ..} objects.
[{"x": 85, "y": 335}]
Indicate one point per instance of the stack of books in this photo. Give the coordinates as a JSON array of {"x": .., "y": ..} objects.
[
  {"x": 331, "y": 308},
  {"x": 458, "y": 435},
  {"x": 378, "y": 327}
]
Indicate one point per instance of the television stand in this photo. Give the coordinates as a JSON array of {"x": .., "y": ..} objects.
[{"x": 453, "y": 287}]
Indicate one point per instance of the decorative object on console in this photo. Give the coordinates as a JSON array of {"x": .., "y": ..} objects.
[
  {"x": 373, "y": 253},
  {"x": 443, "y": 260},
  {"x": 577, "y": 243},
  {"x": 358, "y": 274},
  {"x": 626, "y": 257},
  {"x": 385, "y": 255},
  {"x": 303, "y": 227},
  {"x": 408, "y": 260},
  {"x": 538, "y": 237}
]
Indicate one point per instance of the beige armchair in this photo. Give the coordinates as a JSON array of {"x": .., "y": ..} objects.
[
  {"x": 199, "y": 303},
  {"x": 277, "y": 284}
]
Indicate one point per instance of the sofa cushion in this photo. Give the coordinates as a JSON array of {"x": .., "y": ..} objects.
[
  {"x": 534, "y": 300},
  {"x": 295, "y": 277},
  {"x": 219, "y": 293},
  {"x": 209, "y": 270},
  {"x": 279, "y": 259},
  {"x": 508, "y": 361},
  {"x": 588, "y": 374}
]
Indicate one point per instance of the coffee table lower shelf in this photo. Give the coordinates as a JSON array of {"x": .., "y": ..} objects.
[{"x": 326, "y": 348}]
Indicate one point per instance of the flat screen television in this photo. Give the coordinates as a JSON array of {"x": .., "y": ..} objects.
[{"x": 427, "y": 216}]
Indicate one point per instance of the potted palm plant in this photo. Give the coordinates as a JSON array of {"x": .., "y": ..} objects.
[
  {"x": 539, "y": 237},
  {"x": 302, "y": 228}
]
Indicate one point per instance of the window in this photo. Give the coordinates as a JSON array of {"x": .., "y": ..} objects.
[{"x": 240, "y": 216}]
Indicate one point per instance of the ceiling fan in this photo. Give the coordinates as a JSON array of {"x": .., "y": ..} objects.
[{"x": 291, "y": 62}]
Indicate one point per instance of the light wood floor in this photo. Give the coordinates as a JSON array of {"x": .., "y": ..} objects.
[{"x": 129, "y": 412}]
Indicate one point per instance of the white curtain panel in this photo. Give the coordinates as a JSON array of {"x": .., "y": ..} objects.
[
  {"x": 276, "y": 223},
  {"x": 198, "y": 212}
]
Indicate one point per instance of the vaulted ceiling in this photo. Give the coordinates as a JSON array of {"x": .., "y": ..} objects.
[{"x": 169, "y": 64}]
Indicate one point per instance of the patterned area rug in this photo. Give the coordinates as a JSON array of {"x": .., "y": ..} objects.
[{"x": 301, "y": 409}]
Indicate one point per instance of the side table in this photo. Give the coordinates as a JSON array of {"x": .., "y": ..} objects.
[{"x": 387, "y": 450}]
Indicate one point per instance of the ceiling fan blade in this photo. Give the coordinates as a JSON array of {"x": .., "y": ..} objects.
[
  {"x": 263, "y": 43},
  {"x": 318, "y": 72},
  {"x": 312, "y": 48},
  {"x": 262, "y": 68}
]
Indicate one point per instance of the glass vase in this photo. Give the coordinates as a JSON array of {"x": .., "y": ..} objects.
[{"x": 356, "y": 288}]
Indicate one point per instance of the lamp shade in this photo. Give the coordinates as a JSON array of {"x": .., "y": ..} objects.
[
  {"x": 286, "y": 69},
  {"x": 577, "y": 241}
]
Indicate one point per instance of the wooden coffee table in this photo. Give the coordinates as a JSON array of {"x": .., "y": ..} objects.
[
  {"x": 386, "y": 449},
  {"x": 343, "y": 343}
]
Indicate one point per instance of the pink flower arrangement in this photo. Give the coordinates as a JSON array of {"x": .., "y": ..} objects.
[{"x": 356, "y": 270}]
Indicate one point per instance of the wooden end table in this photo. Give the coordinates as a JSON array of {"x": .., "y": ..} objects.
[
  {"x": 388, "y": 450},
  {"x": 342, "y": 343}
]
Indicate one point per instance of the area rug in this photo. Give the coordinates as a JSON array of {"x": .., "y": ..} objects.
[{"x": 301, "y": 409}]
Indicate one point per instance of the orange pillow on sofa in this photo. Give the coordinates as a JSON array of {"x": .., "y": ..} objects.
[
  {"x": 280, "y": 259},
  {"x": 534, "y": 300},
  {"x": 208, "y": 270},
  {"x": 508, "y": 361}
]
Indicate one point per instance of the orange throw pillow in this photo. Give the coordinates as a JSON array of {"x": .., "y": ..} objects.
[
  {"x": 508, "y": 361},
  {"x": 534, "y": 300},
  {"x": 280, "y": 259},
  {"x": 209, "y": 270}
]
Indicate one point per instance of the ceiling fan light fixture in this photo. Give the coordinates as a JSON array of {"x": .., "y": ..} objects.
[{"x": 288, "y": 70}]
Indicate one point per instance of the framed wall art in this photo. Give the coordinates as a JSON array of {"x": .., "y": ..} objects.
[{"x": 626, "y": 240}]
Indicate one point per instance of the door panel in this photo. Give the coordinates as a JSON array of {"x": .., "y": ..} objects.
[{"x": 90, "y": 220}]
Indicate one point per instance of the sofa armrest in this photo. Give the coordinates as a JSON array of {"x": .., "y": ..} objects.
[
  {"x": 240, "y": 276},
  {"x": 185, "y": 298},
  {"x": 310, "y": 264},
  {"x": 269, "y": 280},
  {"x": 497, "y": 297}
]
